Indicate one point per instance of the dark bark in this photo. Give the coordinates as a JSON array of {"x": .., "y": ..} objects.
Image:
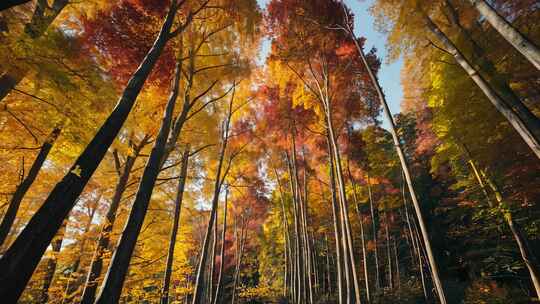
[
  {"x": 96, "y": 266},
  {"x": 21, "y": 259},
  {"x": 114, "y": 279},
  {"x": 16, "y": 199},
  {"x": 174, "y": 228},
  {"x": 51, "y": 263},
  {"x": 11, "y": 3}
]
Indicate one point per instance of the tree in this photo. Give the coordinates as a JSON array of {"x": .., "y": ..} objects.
[
  {"x": 22, "y": 257},
  {"x": 18, "y": 195},
  {"x": 526, "y": 47}
]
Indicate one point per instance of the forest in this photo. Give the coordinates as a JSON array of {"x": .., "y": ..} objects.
[{"x": 245, "y": 151}]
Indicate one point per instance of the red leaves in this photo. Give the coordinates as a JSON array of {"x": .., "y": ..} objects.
[{"x": 123, "y": 35}]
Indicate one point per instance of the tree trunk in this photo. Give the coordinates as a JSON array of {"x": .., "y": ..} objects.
[
  {"x": 417, "y": 253},
  {"x": 239, "y": 253},
  {"x": 337, "y": 229},
  {"x": 374, "y": 232},
  {"x": 344, "y": 206},
  {"x": 525, "y": 129},
  {"x": 406, "y": 171},
  {"x": 287, "y": 239},
  {"x": 527, "y": 254},
  {"x": 388, "y": 251},
  {"x": 21, "y": 190},
  {"x": 198, "y": 289},
  {"x": 51, "y": 264},
  {"x": 11, "y": 3},
  {"x": 210, "y": 295},
  {"x": 526, "y": 47},
  {"x": 114, "y": 279},
  {"x": 96, "y": 266},
  {"x": 298, "y": 271},
  {"x": 21, "y": 259},
  {"x": 362, "y": 235},
  {"x": 222, "y": 252},
  {"x": 174, "y": 228},
  {"x": 484, "y": 64}
]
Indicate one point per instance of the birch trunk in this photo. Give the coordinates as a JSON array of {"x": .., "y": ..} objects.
[
  {"x": 222, "y": 253},
  {"x": 521, "y": 43},
  {"x": 524, "y": 129},
  {"x": 337, "y": 231},
  {"x": 484, "y": 64},
  {"x": 344, "y": 205},
  {"x": 198, "y": 289},
  {"x": 374, "y": 232},
  {"x": 527, "y": 254},
  {"x": 405, "y": 168}
]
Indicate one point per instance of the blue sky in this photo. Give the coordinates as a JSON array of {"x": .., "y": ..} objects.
[{"x": 389, "y": 75}]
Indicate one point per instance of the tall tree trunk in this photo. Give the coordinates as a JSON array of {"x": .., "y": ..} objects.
[
  {"x": 344, "y": 205},
  {"x": 222, "y": 251},
  {"x": 525, "y": 129},
  {"x": 364, "y": 256},
  {"x": 337, "y": 230},
  {"x": 405, "y": 169},
  {"x": 16, "y": 199},
  {"x": 484, "y": 64},
  {"x": 388, "y": 251},
  {"x": 299, "y": 275},
  {"x": 527, "y": 254},
  {"x": 210, "y": 296},
  {"x": 287, "y": 239},
  {"x": 374, "y": 232},
  {"x": 96, "y": 266},
  {"x": 526, "y": 47},
  {"x": 362, "y": 235},
  {"x": 52, "y": 261},
  {"x": 239, "y": 254},
  {"x": 43, "y": 16},
  {"x": 114, "y": 279},
  {"x": 21, "y": 259},
  {"x": 198, "y": 289},
  {"x": 417, "y": 253},
  {"x": 308, "y": 260},
  {"x": 174, "y": 228}
]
